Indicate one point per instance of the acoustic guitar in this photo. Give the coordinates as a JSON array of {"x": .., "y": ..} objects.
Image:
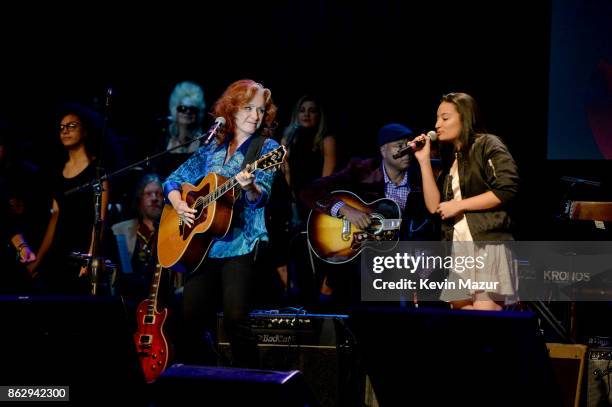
[
  {"x": 213, "y": 198},
  {"x": 336, "y": 240},
  {"x": 150, "y": 338}
]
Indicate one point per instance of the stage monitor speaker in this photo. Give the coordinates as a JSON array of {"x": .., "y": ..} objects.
[
  {"x": 186, "y": 385},
  {"x": 599, "y": 377},
  {"x": 568, "y": 363},
  {"x": 451, "y": 357},
  {"x": 318, "y": 345},
  {"x": 80, "y": 342}
]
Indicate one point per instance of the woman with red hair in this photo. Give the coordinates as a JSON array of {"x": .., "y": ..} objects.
[{"x": 228, "y": 274}]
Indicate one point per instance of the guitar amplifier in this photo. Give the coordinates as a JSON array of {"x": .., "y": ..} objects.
[
  {"x": 599, "y": 375},
  {"x": 318, "y": 345},
  {"x": 568, "y": 362},
  {"x": 285, "y": 329}
]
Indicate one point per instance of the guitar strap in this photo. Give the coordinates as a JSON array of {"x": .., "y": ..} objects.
[
  {"x": 251, "y": 155},
  {"x": 254, "y": 150}
]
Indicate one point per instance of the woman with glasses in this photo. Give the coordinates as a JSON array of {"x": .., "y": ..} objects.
[
  {"x": 71, "y": 223},
  {"x": 228, "y": 275}
]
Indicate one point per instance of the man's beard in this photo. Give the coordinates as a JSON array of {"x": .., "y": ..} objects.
[{"x": 152, "y": 213}]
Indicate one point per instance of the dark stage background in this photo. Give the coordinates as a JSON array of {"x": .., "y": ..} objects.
[{"x": 373, "y": 63}]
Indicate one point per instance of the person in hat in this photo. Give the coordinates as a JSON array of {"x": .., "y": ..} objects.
[{"x": 373, "y": 179}]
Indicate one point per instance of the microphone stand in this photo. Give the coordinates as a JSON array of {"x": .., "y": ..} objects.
[
  {"x": 146, "y": 161},
  {"x": 97, "y": 263}
]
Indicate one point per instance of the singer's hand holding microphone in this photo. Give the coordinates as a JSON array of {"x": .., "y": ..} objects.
[{"x": 420, "y": 145}]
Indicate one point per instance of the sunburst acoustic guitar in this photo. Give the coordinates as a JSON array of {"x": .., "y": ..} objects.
[{"x": 336, "y": 240}]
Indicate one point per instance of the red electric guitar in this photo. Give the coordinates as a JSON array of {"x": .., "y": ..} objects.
[{"x": 151, "y": 343}]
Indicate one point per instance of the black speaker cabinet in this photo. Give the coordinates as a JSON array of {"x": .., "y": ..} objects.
[
  {"x": 80, "y": 342},
  {"x": 599, "y": 377},
  {"x": 318, "y": 345},
  {"x": 188, "y": 385}
]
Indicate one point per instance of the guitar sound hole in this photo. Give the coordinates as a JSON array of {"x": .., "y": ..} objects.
[
  {"x": 375, "y": 227},
  {"x": 201, "y": 215}
]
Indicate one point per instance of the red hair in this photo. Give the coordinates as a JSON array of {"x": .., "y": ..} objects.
[{"x": 237, "y": 95}]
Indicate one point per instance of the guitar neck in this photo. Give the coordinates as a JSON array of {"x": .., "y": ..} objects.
[
  {"x": 154, "y": 290},
  {"x": 269, "y": 160},
  {"x": 218, "y": 193}
]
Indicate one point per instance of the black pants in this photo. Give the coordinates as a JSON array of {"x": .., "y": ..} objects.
[{"x": 230, "y": 282}]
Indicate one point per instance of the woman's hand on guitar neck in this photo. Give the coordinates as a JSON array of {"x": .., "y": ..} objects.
[
  {"x": 355, "y": 216},
  {"x": 246, "y": 180}
]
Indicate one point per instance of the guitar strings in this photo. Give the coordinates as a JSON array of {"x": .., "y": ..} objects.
[{"x": 223, "y": 188}]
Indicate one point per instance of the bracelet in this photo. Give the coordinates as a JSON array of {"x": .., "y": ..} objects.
[{"x": 22, "y": 245}]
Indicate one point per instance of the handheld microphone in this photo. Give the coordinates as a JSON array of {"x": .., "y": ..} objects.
[
  {"x": 219, "y": 122},
  {"x": 415, "y": 145}
]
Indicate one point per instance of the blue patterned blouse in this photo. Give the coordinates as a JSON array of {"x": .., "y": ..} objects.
[{"x": 248, "y": 221}]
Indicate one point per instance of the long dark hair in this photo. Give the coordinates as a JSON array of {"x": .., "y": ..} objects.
[
  {"x": 471, "y": 126},
  {"x": 471, "y": 122},
  {"x": 91, "y": 123}
]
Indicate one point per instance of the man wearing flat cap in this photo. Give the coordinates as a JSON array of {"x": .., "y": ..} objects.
[{"x": 376, "y": 178}]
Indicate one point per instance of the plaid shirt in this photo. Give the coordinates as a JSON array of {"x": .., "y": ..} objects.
[{"x": 399, "y": 193}]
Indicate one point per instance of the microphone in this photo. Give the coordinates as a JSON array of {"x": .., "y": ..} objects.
[
  {"x": 415, "y": 145},
  {"x": 109, "y": 93},
  {"x": 219, "y": 122}
]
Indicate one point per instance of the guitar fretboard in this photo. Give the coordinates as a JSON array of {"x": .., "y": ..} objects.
[
  {"x": 152, "y": 304},
  {"x": 217, "y": 193},
  {"x": 269, "y": 160}
]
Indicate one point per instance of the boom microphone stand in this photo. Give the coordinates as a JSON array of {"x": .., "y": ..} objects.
[{"x": 97, "y": 263}]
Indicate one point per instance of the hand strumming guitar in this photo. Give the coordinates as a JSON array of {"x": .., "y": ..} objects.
[
  {"x": 185, "y": 213},
  {"x": 355, "y": 216}
]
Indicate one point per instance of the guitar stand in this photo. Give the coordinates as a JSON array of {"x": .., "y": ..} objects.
[{"x": 544, "y": 313}]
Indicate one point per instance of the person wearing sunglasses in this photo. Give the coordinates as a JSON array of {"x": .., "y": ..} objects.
[
  {"x": 186, "y": 114},
  {"x": 182, "y": 125}
]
